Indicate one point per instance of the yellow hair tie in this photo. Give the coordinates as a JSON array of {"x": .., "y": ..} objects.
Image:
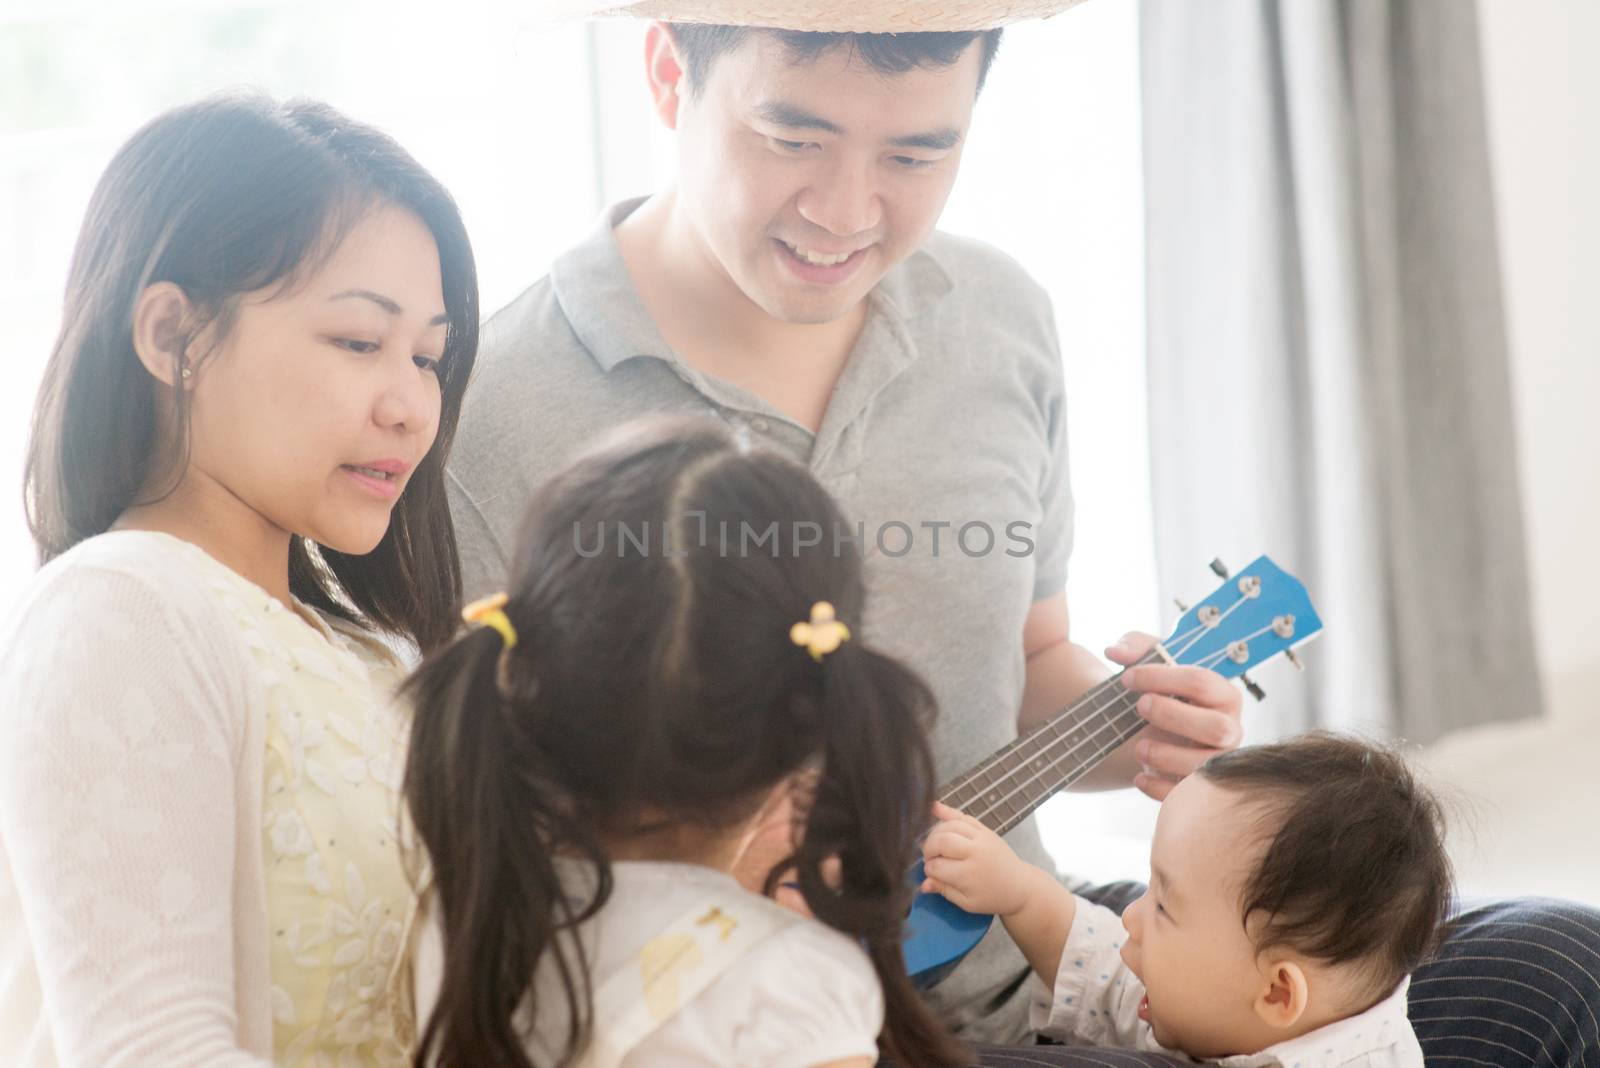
[
  {"x": 491, "y": 612},
  {"x": 823, "y": 634}
]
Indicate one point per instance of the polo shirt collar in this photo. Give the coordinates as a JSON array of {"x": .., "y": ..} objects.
[
  {"x": 596, "y": 294},
  {"x": 915, "y": 284}
]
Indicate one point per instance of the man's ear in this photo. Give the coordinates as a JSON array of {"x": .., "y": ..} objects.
[
  {"x": 1284, "y": 994},
  {"x": 664, "y": 71},
  {"x": 159, "y": 337}
]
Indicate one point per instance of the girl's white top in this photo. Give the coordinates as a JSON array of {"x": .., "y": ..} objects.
[{"x": 804, "y": 996}]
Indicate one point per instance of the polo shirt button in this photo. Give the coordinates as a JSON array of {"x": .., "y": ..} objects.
[{"x": 760, "y": 425}]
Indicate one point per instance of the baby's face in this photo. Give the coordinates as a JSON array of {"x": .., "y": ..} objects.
[{"x": 1186, "y": 940}]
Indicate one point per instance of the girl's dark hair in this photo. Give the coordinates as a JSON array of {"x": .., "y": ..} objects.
[
  {"x": 659, "y": 677},
  {"x": 1355, "y": 870},
  {"x": 222, "y": 197},
  {"x": 886, "y": 53}
]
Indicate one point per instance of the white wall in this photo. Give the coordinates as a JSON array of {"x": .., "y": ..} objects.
[{"x": 1544, "y": 114}]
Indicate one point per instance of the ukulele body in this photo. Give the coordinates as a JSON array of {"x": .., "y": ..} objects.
[{"x": 938, "y": 934}]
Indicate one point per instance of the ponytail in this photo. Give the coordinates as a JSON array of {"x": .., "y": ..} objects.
[
  {"x": 871, "y": 805},
  {"x": 492, "y": 819}
]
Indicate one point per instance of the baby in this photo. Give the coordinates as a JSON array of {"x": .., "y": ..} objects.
[{"x": 1293, "y": 888}]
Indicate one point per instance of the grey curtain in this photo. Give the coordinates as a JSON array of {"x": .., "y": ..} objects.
[{"x": 1327, "y": 346}]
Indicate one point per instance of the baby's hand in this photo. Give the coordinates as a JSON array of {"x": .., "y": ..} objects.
[{"x": 972, "y": 866}]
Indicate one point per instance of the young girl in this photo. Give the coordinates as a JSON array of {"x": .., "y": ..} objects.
[
  {"x": 680, "y": 648},
  {"x": 235, "y": 485}
]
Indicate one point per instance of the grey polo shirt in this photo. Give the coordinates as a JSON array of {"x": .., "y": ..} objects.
[{"x": 944, "y": 440}]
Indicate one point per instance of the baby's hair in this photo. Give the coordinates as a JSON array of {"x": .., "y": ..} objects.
[
  {"x": 1355, "y": 870},
  {"x": 654, "y": 685}
]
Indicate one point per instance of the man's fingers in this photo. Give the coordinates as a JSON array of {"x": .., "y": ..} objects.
[
  {"x": 1170, "y": 760},
  {"x": 1198, "y": 685},
  {"x": 1153, "y": 785},
  {"x": 1197, "y": 724},
  {"x": 1131, "y": 647}
]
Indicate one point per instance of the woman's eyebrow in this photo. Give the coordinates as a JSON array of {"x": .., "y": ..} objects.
[{"x": 386, "y": 304}]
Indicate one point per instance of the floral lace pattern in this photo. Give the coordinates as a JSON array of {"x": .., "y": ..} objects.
[{"x": 337, "y": 896}]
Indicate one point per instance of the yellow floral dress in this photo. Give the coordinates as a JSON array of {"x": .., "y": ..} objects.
[{"x": 337, "y": 895}]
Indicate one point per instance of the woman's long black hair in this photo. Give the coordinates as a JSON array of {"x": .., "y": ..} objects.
[
  {"x": 222, "y": 197},
  {"x": 660, "y": 681}
]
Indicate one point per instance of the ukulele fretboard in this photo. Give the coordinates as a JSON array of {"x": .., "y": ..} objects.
[{"x": 1005, "y": 789}]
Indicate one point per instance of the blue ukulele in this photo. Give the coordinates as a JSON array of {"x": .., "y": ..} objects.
[{"x": 1252, "y": 617}]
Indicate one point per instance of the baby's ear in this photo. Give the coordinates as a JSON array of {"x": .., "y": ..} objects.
[{"x": 1284, "y": 993}]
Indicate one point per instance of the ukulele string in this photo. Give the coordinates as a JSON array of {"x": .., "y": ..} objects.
[
  {"x": 1098, "y": 690},
  {"x": 1177, "y": 648},
  {"x": 1109, "y": 685},
  {"x": 1055, "y": 763}
]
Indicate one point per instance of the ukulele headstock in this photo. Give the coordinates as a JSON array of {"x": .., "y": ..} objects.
[{"x": 1252, "y": 617}]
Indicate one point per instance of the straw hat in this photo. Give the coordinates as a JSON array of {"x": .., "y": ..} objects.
[{"x": 832, "y": 16}]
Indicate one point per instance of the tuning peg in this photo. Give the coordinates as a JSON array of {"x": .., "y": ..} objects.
[
  {"x": 1219, "y": 567},
  {"x": 1288, "y": 654},
  {"x": 1255, "y": 691},
  {"x": 1179, "y": 602}
]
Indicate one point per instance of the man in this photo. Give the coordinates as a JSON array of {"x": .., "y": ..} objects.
[{"x": 791, "y": 282}]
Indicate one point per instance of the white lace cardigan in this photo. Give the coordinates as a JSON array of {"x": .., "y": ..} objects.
[{"x": 131, "y": 748}]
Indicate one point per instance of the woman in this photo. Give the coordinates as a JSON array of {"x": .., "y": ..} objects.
[{"x": 235, "y": 482}]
